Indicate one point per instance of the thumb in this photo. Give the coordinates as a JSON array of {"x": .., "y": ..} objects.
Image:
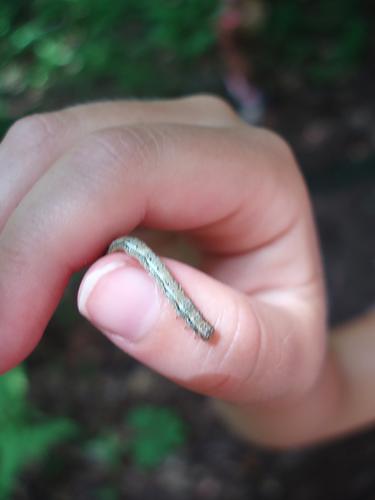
[{"x": 245, "y": 359}]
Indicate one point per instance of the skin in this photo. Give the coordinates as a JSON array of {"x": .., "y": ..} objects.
[{"x": 74, "y": 180}]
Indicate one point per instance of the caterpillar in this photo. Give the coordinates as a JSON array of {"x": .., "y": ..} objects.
[{"x": 171, "y": 289}]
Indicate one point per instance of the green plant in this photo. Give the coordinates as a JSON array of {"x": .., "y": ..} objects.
[
  {"x": 80, "y": 44},
  {"x": 156, "y": 432},
  {"x": 153, "y": 434},
  {"x": 24, "y": 435}
]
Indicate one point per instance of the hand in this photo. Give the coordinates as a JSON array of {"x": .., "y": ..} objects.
[{"x": 74, "y": 180}]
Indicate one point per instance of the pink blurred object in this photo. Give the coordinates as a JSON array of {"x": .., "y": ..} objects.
[{"x": 236, "y": 16}]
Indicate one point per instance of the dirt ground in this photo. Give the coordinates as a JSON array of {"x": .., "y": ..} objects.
[{"x": 77, "y": 373}]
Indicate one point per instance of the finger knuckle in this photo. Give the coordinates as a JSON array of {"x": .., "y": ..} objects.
[
  {"x": 34, "y": 130},
  {"x": 97, "y": 148},
  {"x": 14, "y": 250},
  {"x": 216, "y": 104},
  {"x": 276, "y": 145},
  {"x": 141, "y": 144},
  {"x": 114, "y": 149}
]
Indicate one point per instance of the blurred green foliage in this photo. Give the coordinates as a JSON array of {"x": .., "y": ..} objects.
[
  {"x": 86, "y": 48},
  {"x": 156, "y": 432},
  {"x": 324, "y": 40},
  {"x": 153, "y": 433},
  {"x": 24, "y": 435},
  {"x": 126, "y": 44}
]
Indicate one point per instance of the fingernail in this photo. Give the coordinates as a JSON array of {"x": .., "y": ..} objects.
[{"x": 120, "y": 299}]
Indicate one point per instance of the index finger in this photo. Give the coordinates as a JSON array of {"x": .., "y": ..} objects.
[{"x": 214, "y": 182}]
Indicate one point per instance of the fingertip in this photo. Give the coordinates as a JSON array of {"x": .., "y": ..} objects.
[
  {"x": 92, "y": 277},
  {"x": 119, "y": 298}
]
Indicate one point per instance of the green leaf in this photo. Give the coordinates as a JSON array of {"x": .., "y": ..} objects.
[
  {"x": 19, "y": 445},
  {"x": 13, "y": 389},
  {"x": 54, "y": 52},
  {"x": 23, "y": 439},
  {"x": 157, "y": 432},
  {"x": 25, "y": 36}
]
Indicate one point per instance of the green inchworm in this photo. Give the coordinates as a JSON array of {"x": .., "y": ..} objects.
[{"x": 167, "y": 283}]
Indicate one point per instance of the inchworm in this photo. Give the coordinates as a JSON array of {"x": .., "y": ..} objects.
[{"x": 167, "y": 283}]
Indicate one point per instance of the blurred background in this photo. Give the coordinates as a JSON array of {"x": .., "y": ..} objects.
[{"x": 80, "y": 420}]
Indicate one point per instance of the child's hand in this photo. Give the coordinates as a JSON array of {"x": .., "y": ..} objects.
[{"x": 74, "y": 180}]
